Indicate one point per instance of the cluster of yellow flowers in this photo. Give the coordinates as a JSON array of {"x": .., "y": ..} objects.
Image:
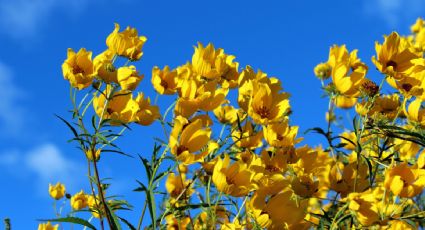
[{"x": 255, "y": 173}]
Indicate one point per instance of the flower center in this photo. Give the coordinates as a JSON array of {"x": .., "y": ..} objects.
[
  {"x": 263, "y": 111},
  {"x": 181, "y": 149},
  {"x": 392, "y": 64}
]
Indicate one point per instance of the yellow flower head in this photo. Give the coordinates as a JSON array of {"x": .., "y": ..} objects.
[
  {"x": 147, "y": 113},
  {"x": 196, "y": 94},
  {"x": 404, "y": 181},
  {"x": 348, "y": 72},
  {"x": 104, "y": 67},
  {"x": 419, "y": 24},
  {"x": 188, "y": 139},
  {"x": 364, "y": 206},
  {"x": 249, "y": 82},
  {"x": 78, "y": 68},
  {"x": 414, "y": 112},
  {"x": 89, "y": 154},
  {"x": 323, "y": 71},
  {"x": 126, "y": 43},
  {"x": 164, "y": 81},
  {"x": 227, "y": 114},
  {"x": 406, "y": 149},
  {"x": 121, "y": 108},
  {"x": 348, "y": 138},
  {"x": 394, "y": 56},
  {"x": 305, "y": 185},
  {"x": 281, "y": 134},
  {"x": 79, "y": 201},
  {"x": 344, "y": 102},
  {"x": 57, "y": 191},
  {"x": 177, "y": 185},
  {"x": 128, "y": 77},
  {"x": 248, "y": 137},
  {"x": 177, "y": 223},
  {"x": 267, "y": 106},
  {"x": 233, "y": 179},
  {"x": 268, "y": 211},
  {"x": 48, "y": 226},
  {"x": 211, "y": 63}
]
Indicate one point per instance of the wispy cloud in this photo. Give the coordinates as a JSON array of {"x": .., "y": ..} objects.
[
  {"x": 46, "y": 163},
  {"x": 394, "y": 12},
  {"x": 12, "y": 113},
  {"x": 24, "y": 18}
]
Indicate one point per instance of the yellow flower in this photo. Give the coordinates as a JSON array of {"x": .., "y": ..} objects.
[
  {"x": 267, "y": 106},
  {"x": 419, "y": 24},
  {"x": 341, "y": 177},
  {"x": 394, "y": 56},
  {"x": 195, "y": 94},
  {"x": 57, "y": 191},
  {"x": 104, "y": 67},
  {"x": 401, "y": 225},
  {"x": 79, "y": 200},
  {"x": 164, "y": 81},
  {"x": 227, "y": 114},
  {"x": 187, "y": 139},
  {"x": 406, "y": 149},
  {"x": 177, "y": 223},
  {"x": 305, "y": 185},
  {"x": 344, "y": 102},
  {"x": 233, "y": 179},
  {"x": 348, "y": 72},
  {"x": 388, "y": 105},
  {"x": 249, "y": 82},
  {"x": 78, "y": 68},
  {"x": 276, "y": 211},
  {"x": 415, "y": 113},
  {"x": 270, "y": 169},
  {"x": 281, "y": 134},
  {"x": 323, "y": 71},
  {"x": 48, "y": 226},
  {"x": 89, "y": 154},
  {"x": 211, "y": 63},
  {"x": 128, "y": 77},
  {"x": 404, "y": 181},
  {"x": 178, "y": 187},
  {"x": 345, "y": 137},
  {"x": 364, "y": 207},
  {"x": 121, "y": 108},
  {"x": 235, "y": 225},
  {"x": 248, "y": 137},
  {"x": 126, "y": 43},
  {"x": 147, "y": 113}
]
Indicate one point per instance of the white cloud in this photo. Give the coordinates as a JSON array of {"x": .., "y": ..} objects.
[
  {"x": 23, "y": 18},
  {"x": 394, "y": 12},
  {"x": 46, "y": 164},
  {"x": 12, "y": 113}
]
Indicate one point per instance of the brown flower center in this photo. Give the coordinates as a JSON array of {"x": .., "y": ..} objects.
[
  {"x": 406, "y": 86},
  {"x": 164, "y": 84},
  {"x": 77, "y": 69},
  {"x": 272, "y": 168},
  {"x": 263, "y": 111},
  {"x": 181, "y": 149},
  {"x": 392, "y": 64}
]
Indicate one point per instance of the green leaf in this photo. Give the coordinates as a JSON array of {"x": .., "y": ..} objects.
[
  {"x": 129, "y": 225},
  {"x": 117, "y": 151},
  {"x": 142, "y": 187},
  {"x": 69, "y": 125},
  {"x": 74, "y": 220},
  {"x": 147, "y": 166}
]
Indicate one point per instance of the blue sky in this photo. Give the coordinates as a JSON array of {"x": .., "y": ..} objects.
[{"x": 283, "y": 38}]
